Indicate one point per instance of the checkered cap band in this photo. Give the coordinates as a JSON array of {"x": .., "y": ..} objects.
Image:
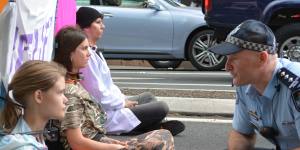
[{"x": 250, "y": 45}]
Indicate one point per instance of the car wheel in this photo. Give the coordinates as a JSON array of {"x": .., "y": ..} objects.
[
  {"x": 288, "y": 37},
  {"x": 199, "y": 55},
  {"x": 165, "y": 64}
]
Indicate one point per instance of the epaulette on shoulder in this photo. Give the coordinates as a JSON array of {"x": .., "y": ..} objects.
[
  {"x": 292, "y": 82},
  {"x": 288, "y": 78}
]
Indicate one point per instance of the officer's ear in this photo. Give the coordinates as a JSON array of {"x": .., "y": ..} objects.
[{"x": 263, "y": 57}]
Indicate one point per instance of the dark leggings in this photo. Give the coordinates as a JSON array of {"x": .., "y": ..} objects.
[{"x": 150, "y": 114}]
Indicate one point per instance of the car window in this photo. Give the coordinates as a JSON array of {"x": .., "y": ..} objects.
[
  {"x": 133, "y": 3},
  {"x": 83, "y": 2},
  {"x": 116, "y": 3},
  {"x": 175, "y": 3}
]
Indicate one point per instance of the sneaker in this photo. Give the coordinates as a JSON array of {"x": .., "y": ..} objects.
[{"x": 174, "y": 126}]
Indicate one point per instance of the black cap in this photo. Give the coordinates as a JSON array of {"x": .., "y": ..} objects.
[
  {"x": 85, "y": 16},
  {"x": 250, "y": 35}
]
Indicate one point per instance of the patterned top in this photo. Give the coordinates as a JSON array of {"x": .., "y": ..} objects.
[{"x": 81, "y": 112}]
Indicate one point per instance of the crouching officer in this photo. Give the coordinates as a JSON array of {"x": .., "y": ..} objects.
[{"x": 267, "y": 88}]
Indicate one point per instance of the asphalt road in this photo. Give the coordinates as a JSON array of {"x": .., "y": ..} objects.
[
  {"x": 185, "y": 80},
  {"x": 208, "y": 134},
  {"x": 202, "y": 133}
]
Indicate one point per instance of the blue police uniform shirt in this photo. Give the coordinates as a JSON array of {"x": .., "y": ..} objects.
[{"x": 275, "y": 108}]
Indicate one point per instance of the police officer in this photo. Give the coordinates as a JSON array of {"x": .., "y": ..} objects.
[{"x": 267, "y": 99}]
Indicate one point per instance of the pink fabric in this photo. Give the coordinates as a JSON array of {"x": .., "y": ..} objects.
[{"x": 66, "y": 14}]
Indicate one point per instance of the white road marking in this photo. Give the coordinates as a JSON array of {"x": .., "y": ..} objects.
[
  {"x": 138, "y": 88},
  {"x": 128, "y": 78},
  {"x": 198, "y": 84},
  {"x": 175, "y": 73},
  {"x": 203, "y": 120}
]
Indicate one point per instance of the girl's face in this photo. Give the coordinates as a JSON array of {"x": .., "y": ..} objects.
[
  {"x": 53, "y": 100},
  {"x": 81, "y": 55}
]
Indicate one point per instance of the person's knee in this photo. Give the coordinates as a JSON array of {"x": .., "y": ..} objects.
[
  {"x": 147, "y": 97},
  {"x": 164, "y": 108}
]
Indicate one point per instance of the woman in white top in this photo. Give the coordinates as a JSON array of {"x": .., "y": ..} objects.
[
  {"x": 133, "y": 115},
  {"x": 35, "y": 95}
]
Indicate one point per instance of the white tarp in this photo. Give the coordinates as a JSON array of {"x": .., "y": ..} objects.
[{"x": 27, "y": 33}]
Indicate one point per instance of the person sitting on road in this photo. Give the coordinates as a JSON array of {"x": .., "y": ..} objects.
[
  {"x": 35, "y": 95},
  {"x": 133, "y": 115},
  {"x": 267, "y": 89},
  {"x": 83, "y": 125}
]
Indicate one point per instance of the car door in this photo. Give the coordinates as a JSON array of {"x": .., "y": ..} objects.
[
  {"x": 133, "y": 29},
  {"x": 239, "y": 10}
]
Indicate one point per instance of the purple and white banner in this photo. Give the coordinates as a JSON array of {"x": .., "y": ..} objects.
[{"x": 27, "y": 33}]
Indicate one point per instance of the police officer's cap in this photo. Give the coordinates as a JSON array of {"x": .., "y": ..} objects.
[{"x": 249, "y": 35}]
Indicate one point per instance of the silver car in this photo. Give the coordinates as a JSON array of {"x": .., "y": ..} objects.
[{"x": 156, "y": 30}]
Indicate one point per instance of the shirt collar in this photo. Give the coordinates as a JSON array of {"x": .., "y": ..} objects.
[
  {"x": 270, "y": 89},
  {"x": 93, "y": 47},
  {"x": 73, "y": 78},
  {"x": 21, "y": 126}
]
